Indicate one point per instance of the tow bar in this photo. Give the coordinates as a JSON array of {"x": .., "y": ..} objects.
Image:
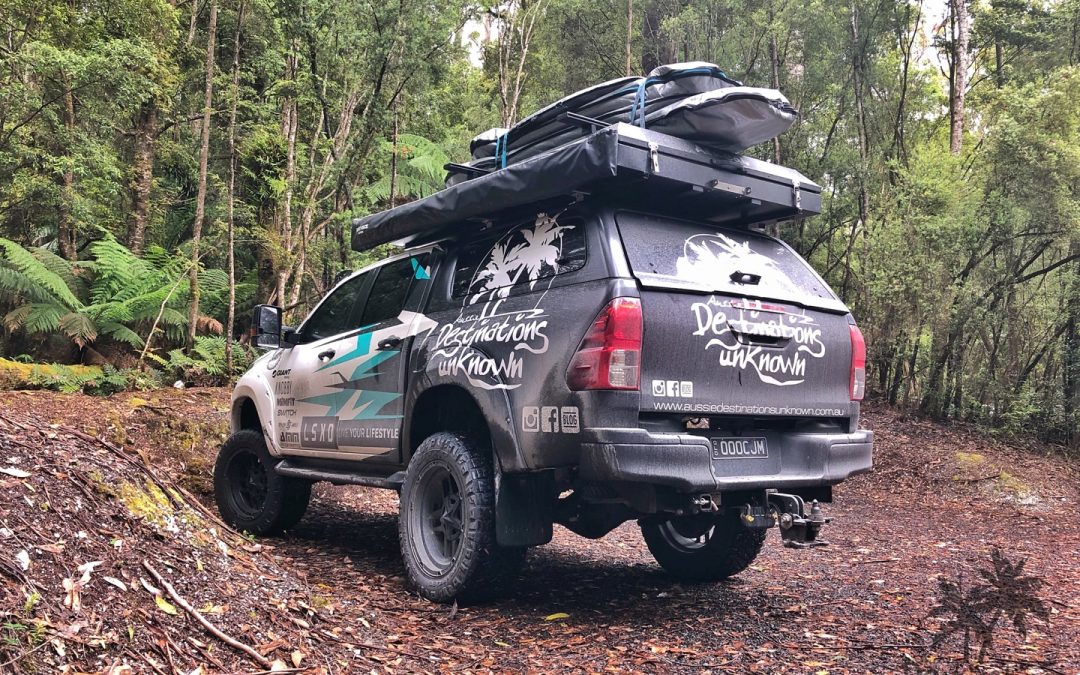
[{"x": 798, "y": 527}]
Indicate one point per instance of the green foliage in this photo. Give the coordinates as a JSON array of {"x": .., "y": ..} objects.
[
  {"x": 962, "y": 269},
  {"x": 206, "y": 363},
  {"x": 72, "y": 379},
  {"x": 120, "y": 292}
]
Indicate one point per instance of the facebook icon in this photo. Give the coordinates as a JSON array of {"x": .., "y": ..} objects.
[{"x": 549, "y": 418}]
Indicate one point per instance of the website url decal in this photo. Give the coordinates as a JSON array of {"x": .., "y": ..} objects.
[{"x": 740, "y": 409}]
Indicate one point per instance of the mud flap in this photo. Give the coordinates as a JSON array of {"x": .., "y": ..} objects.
[{"x": 524, "y": 508}]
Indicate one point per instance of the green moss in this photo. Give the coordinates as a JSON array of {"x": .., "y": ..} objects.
[
  {"x": 148, "y": 502},
  {"x": 1007, "y": 481},
  {"x": 17, "y": 375},
  {"x": 968, "y": 460}
]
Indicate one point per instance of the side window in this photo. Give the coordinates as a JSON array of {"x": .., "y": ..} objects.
[
  {"x": 523, "y": 255},
  {"x": 391, "y": 289},
  {"x": 334, "y": 314}
]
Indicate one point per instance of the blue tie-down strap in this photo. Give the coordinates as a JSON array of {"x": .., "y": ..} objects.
[
  {"x": 638, "y": 107},
  {"x": 502, "y": 144}
]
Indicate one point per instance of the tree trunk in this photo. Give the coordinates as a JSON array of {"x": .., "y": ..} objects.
[
  {"x": 143, "y": 179},
  {"x": 204, "y": 160},
  {"x": 394, "y": 157},
  {"x": 774, "y": 73},
  {"x": 231, "y": 318},
  {"x": 629, "y": 37},
  {"x": 65, "y": 227},
  {"x": 288, "y": 128},
  {"x": 961, "y": 33}
]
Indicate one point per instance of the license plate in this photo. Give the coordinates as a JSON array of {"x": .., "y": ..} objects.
[{"x": 740, "y": 447}]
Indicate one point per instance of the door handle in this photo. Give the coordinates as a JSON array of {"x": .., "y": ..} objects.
[
  {"x": 327, "y": 355},
  {"x": 389, "y": 343}
]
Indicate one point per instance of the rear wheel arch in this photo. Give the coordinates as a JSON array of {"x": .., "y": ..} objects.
[{"x": 446, "y": 407}]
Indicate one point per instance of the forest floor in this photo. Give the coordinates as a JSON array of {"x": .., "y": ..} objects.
[{"x": 107, "y": 530}]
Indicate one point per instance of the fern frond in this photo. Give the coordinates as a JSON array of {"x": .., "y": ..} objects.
[
  {"x": 38, "y": 273},
  {"x": 44, "y": 318},
  {"x": 16, "y": 287},
  {"x": 63, "y": 268},
  {"x": 14, "y": 319},
  {"x": 79, "y": 327},
  {"x": 122, "y": 333}
]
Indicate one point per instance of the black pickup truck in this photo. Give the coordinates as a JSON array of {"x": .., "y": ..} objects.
[{"x": 595, "y": 335}]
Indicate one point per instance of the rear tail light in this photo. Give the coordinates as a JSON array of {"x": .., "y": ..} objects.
[
  {"x": 609, "y": 356},
  {"x": 858, "y": 364}
]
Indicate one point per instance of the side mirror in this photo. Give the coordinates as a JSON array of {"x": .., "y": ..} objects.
[{"x": 266, "y": 327}]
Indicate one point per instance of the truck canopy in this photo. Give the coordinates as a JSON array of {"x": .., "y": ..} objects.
[{"x": 635, "y": 166}]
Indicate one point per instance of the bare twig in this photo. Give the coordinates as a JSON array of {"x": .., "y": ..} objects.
[{"x": 217, "y": 632}]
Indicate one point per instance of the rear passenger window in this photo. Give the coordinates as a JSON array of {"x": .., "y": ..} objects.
[
  {"x": 527, "y": 253},
  {"x": 391, "y": 289}
]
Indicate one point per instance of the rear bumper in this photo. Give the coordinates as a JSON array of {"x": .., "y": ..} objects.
[{"x": 685, "y": 462}]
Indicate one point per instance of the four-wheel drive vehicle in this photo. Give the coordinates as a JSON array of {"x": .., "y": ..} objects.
[{"x": 588, "y": 337}]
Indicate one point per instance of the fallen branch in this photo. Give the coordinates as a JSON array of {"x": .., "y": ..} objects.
[{"x": 232, "y": 642}]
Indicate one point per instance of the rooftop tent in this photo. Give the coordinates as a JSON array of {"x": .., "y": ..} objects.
[
  {"x": 630, "y": 164},
  {"x": 643, "y": 101},
  {"x": 733, "y": 119}
]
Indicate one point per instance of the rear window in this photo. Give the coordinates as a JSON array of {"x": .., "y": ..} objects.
[
  {"x": 696, "y": 257},
  {"x": 533, "y": 250}
]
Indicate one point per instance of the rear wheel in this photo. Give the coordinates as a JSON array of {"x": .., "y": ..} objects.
[
  {"x": 446, "y": 522},
  {"x": 701, "y": 547},
  {"x": 251, "y": 496}
]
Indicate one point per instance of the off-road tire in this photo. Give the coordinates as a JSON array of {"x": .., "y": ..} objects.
[
  {"x": 449, "y": 471},
  {"x": 726, "y": 550},
  {"x": 250, "y": 495}
]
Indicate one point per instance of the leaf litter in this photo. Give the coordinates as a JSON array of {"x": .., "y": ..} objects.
[{"x": 331, "y": 598}]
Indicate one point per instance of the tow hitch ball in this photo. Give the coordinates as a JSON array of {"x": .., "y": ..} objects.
[{"x": 799, "y": 526}]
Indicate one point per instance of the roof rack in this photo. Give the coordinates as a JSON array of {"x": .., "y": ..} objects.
[{"x": 631, "y": 166}]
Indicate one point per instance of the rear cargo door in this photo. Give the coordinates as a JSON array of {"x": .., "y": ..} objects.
[{"x": 736, "y": 323}]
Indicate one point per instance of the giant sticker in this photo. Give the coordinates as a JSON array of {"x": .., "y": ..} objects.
[
  {"x": 733, "y": 326},
  {"x": 724, "y": 321},
  {"x": 461, "y": 347}
]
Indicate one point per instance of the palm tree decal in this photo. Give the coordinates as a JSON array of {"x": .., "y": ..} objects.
[
  {"x": 534, "y": 256},
  {"x": 708, "y": 258}
]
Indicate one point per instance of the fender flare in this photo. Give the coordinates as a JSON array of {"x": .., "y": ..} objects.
[
  {"x": 256, "y": 390},
  {"x": 494, "y": 405}
]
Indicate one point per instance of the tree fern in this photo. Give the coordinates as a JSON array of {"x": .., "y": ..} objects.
[
  {"x": 114, "y": 294},
  {"x": 38, "y": 273}
]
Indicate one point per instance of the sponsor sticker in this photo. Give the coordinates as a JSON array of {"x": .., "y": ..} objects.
[
  {"x": 530, "y": 418},
  {"x": 551, "y": 419},
  {"x": 673, "y": 388},
  {"x": 569, "y": 420}
]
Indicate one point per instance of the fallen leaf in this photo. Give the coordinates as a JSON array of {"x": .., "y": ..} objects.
[
  {"x": 72, "y": 595},
  {"x": 24, "y": 559},
  {"x": 55, "y": 549},
  {"x": 277, "y": 665},
  {"x": 297, "y": 656},
  {"x": 15, "y": 473},
  {"x": 116, "y": 582},
  {"x": 164, "y": 605},
  {"x": 556, "y": 616}
]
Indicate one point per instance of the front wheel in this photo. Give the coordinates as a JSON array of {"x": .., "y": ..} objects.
[
  {"x": 251, "y": 496},
  {"x": 703, "y": 547},
  {"x": 446, "y": 522}
]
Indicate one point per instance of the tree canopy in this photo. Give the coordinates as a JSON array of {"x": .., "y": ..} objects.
[{"x": 148, "y": 147}]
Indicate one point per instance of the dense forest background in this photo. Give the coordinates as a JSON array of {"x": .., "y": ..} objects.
[{"x": 167, "y": 164}]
